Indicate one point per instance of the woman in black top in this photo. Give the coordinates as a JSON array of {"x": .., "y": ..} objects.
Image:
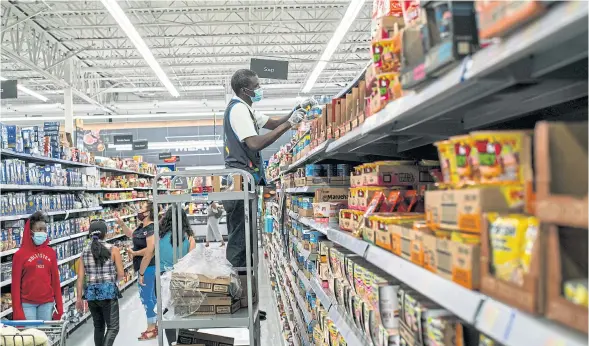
[{"x": 143, "y": 248}]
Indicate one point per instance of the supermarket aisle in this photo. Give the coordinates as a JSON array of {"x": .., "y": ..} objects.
[{"x": 133, "y": 320}]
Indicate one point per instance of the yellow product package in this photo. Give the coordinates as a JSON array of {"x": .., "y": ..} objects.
[
  {"x": 529, "y": 241},
  {"x": 507, "y": 234},
  {"x": 575, "y": 291},
  {"x": 447, "y": 158},
  {"x": 485, "y": 341}
]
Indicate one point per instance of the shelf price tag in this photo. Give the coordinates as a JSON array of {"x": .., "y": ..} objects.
[{"x": 200, "y": 197}]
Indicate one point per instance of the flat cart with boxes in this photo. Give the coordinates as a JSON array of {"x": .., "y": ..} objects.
[{"x": 234, "y": 315}]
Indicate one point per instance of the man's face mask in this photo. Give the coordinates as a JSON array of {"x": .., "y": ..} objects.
[{"x": 258, "y": 94}]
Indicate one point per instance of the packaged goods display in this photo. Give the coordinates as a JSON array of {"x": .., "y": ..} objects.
[{"x": 463, "y": 240}]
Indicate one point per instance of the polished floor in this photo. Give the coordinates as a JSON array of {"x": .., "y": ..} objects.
[{"x": 133, "y": 320}]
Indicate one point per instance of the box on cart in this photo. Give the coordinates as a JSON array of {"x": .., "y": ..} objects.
[{"x": 194, "y": 337}]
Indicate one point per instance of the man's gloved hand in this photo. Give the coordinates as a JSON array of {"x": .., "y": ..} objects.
[
  {"x": 296, "y": 117},
  {"x": 307, "y": 104}
]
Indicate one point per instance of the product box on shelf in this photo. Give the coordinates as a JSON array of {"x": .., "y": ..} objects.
[
  {"x": 390, "y": 173},
  {"x": 511, "y": 261},
  {"x": 331, "y": 194},
  {"x": 452, "y": 30},
  {"x": 566, "y": 275},
  {"x": 211, "y": 305},
  {"x": 561, "y": 173},
  {"x": 462, "y": 210},
  {"x": 499, "y": 18}
]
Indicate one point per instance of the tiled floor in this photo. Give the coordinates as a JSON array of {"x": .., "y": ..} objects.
[{"x": 133, "y": 320}]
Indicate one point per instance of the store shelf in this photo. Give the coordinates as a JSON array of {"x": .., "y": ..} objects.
[
  {"x": 129, "y": 283},
  {"x": 124, "y": 171},
  {"x": 69, "y": 259},
  {"x": 346, "y": 327},
  {"x": 303, "y": 189},
  {"x": 122, "y": 218},
  {"x": 313, "y": 156},
  {"x": 326, "y": 299},
  {"x": 499, "y": 321},
  {"x": 512, "y": 327},
  {"x": 144, "y": 188},
  {"x": 69, "y": 281},
  {"x": 239, "y": 319},
  {"x": 49, "y": 213},
  {"x": 16, "y": 187},
  {"x": 69, "y": 237},
  {"x": 5, "y": 282},
  {"x": 42, "y": 159},
  {"x": 124, "y": 201},
  {"x": 6, "y": 312},
  {"x": 463, "y": 302},
  {"x": 111, "y": 189},
  {"x": 118, "y": 236}
]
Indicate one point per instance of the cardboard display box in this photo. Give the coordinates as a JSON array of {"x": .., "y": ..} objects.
[
  {"x": 529, "y": 296},
  {"x": 566, "y": 249},
  {"x": 331, "y": 194},
  {"x": 561, "y": 173},
  {"x": 211, "y": 305},
  {"x": 462, "y": 210},
  {"x": 185, "y": 283},
  {"x": 191, "y": 337}
]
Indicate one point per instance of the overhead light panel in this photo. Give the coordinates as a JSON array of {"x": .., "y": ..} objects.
[
  {"x": 125, "y": 24},
  {"x": 28, "y": 91},
  {"x": 343, "y": 27}
]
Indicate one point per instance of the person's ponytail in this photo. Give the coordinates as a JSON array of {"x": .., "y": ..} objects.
[{"x": 100, "y": 253}]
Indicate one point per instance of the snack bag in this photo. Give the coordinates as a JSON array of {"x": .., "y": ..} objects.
[
  {"x": 575, "y": 291},
  {"x": 529, "y": 241},
  {"x": 447, "y": 158},
  {"x": 507, "y": 234},
  {"x": 385, "y": 56},
  {"x": 501, "y": 156},
  {"x": 462, "y": 152}
]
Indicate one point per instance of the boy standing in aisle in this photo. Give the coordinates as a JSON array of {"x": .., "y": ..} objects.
[{"x": 243, "y": 144}]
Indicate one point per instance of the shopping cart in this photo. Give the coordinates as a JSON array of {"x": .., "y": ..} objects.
[{"x": 55, "y": 330}]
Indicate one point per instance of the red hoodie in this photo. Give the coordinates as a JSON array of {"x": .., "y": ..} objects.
[{"x": 35, "y": 276}]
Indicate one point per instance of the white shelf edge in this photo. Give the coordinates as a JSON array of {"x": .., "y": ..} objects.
[
  {"x": 50, "y": 213},
  {"x": 69, "y": 259}
]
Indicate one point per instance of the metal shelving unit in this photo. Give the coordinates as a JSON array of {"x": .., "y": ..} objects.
[{"x": 245, "y": 318}]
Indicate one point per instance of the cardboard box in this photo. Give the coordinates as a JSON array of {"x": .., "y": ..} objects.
[
  {"x": 462, "y": 210},
  {"x": 184, "y": 283},
  {"x": 305, "y": 212},
  {"x": 211, "y": 306},
  {"x": 561, "y": 244},
  {"x": 331, "y": 194},
  {"x": 390, "y": 175},
  {"x": 430, "y": 257},
  {"x": 466, "y": 265},
  {"x": 444, "y": 258},
  {"x": 189, "y": 336},
  {"x": 529, "y": 296},
  {"x": 561, "y": 173}
]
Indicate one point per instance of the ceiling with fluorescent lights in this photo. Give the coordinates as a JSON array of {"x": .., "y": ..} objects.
[{"x": 50, "y": 44}]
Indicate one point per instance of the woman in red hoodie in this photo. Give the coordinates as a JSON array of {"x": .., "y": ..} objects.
[{"x": 36, "y": 288}]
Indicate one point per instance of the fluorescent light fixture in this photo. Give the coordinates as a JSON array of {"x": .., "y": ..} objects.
[
  {"x": 343, "y": 27},
  {"x": 29, "y": 91},
  {"x": 125, "y": 24}
]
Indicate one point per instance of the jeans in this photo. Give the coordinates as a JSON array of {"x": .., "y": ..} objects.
[
  {"x": 147, "y": 294},
  {"x": 236, "y": 252},
  {"x": 105, "y": 313},
  {"x": 43, "y": 312}
]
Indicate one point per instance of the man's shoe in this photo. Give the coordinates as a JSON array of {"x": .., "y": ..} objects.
[{"x": 262, "y": 315}]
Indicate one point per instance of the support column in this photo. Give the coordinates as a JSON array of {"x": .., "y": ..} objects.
[{"x": 68, "y": 98}]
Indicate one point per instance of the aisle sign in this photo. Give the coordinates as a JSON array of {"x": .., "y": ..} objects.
[
  {"x": 123, "y": 139},
  {"x": 163, "y": 156},
  {"x": 8, "y": 89},
  {"x": 274, "y": 69},
  {"x": 140, "y": 144}
]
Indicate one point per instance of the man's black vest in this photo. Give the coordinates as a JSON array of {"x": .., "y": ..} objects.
[{"x": 236, "y": 153}]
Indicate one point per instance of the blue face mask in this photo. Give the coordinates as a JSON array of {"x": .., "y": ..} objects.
[
  {"x": 258, "y": 94},
  {"x": 39, "y": 238}
]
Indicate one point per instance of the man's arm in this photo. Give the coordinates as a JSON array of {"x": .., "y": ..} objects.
[
  {"x": 273, "y": 123},
  {"x": 261, "y": 142}
]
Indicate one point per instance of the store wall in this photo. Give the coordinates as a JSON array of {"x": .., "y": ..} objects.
[{"x": 212, "y": 156}]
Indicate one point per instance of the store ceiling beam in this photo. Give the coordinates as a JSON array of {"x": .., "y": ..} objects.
[
  {"x": 221, "y": 8},
  {"x": 195, "y": 66},
  {"x": 56, "y": 79},
  {"x": 203, "y": 36},
  {"x": 27, "y": 38},
  {"x": 209, "y": 23}
]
